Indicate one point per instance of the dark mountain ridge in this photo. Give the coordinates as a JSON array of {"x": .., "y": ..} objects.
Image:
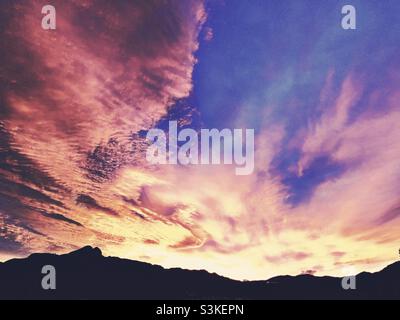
[{"x": 86, "y": 274}]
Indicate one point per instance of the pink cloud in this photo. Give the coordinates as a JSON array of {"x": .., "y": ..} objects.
[{"x": 288, "y": 256}]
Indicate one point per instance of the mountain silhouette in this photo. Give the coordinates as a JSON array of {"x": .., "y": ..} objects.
[{"x": 86, "y": 274}]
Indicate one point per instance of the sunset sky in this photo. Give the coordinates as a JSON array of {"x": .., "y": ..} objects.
[{"x": 75, "y": 103}]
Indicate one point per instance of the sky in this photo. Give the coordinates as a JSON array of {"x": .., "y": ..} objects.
[{"x": 323, "y": 101}]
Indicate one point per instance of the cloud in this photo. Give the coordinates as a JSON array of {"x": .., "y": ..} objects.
[
  {"x": 249, "y": 219},
  {"x": 323, "y": 136},
  {"x": 61, "y": 218},
  {"x": 72, "y": 103},
  {"x": 287, "y": 257},
  {"x": 107, "y": 71}
]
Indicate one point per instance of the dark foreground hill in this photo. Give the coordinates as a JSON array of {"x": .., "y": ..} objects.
[{"x": 86, "y": 274}]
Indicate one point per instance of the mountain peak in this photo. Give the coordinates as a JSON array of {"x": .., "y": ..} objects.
[
  {"x": 88, "y": 251},
  {"x": 394, "y": 267}
]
